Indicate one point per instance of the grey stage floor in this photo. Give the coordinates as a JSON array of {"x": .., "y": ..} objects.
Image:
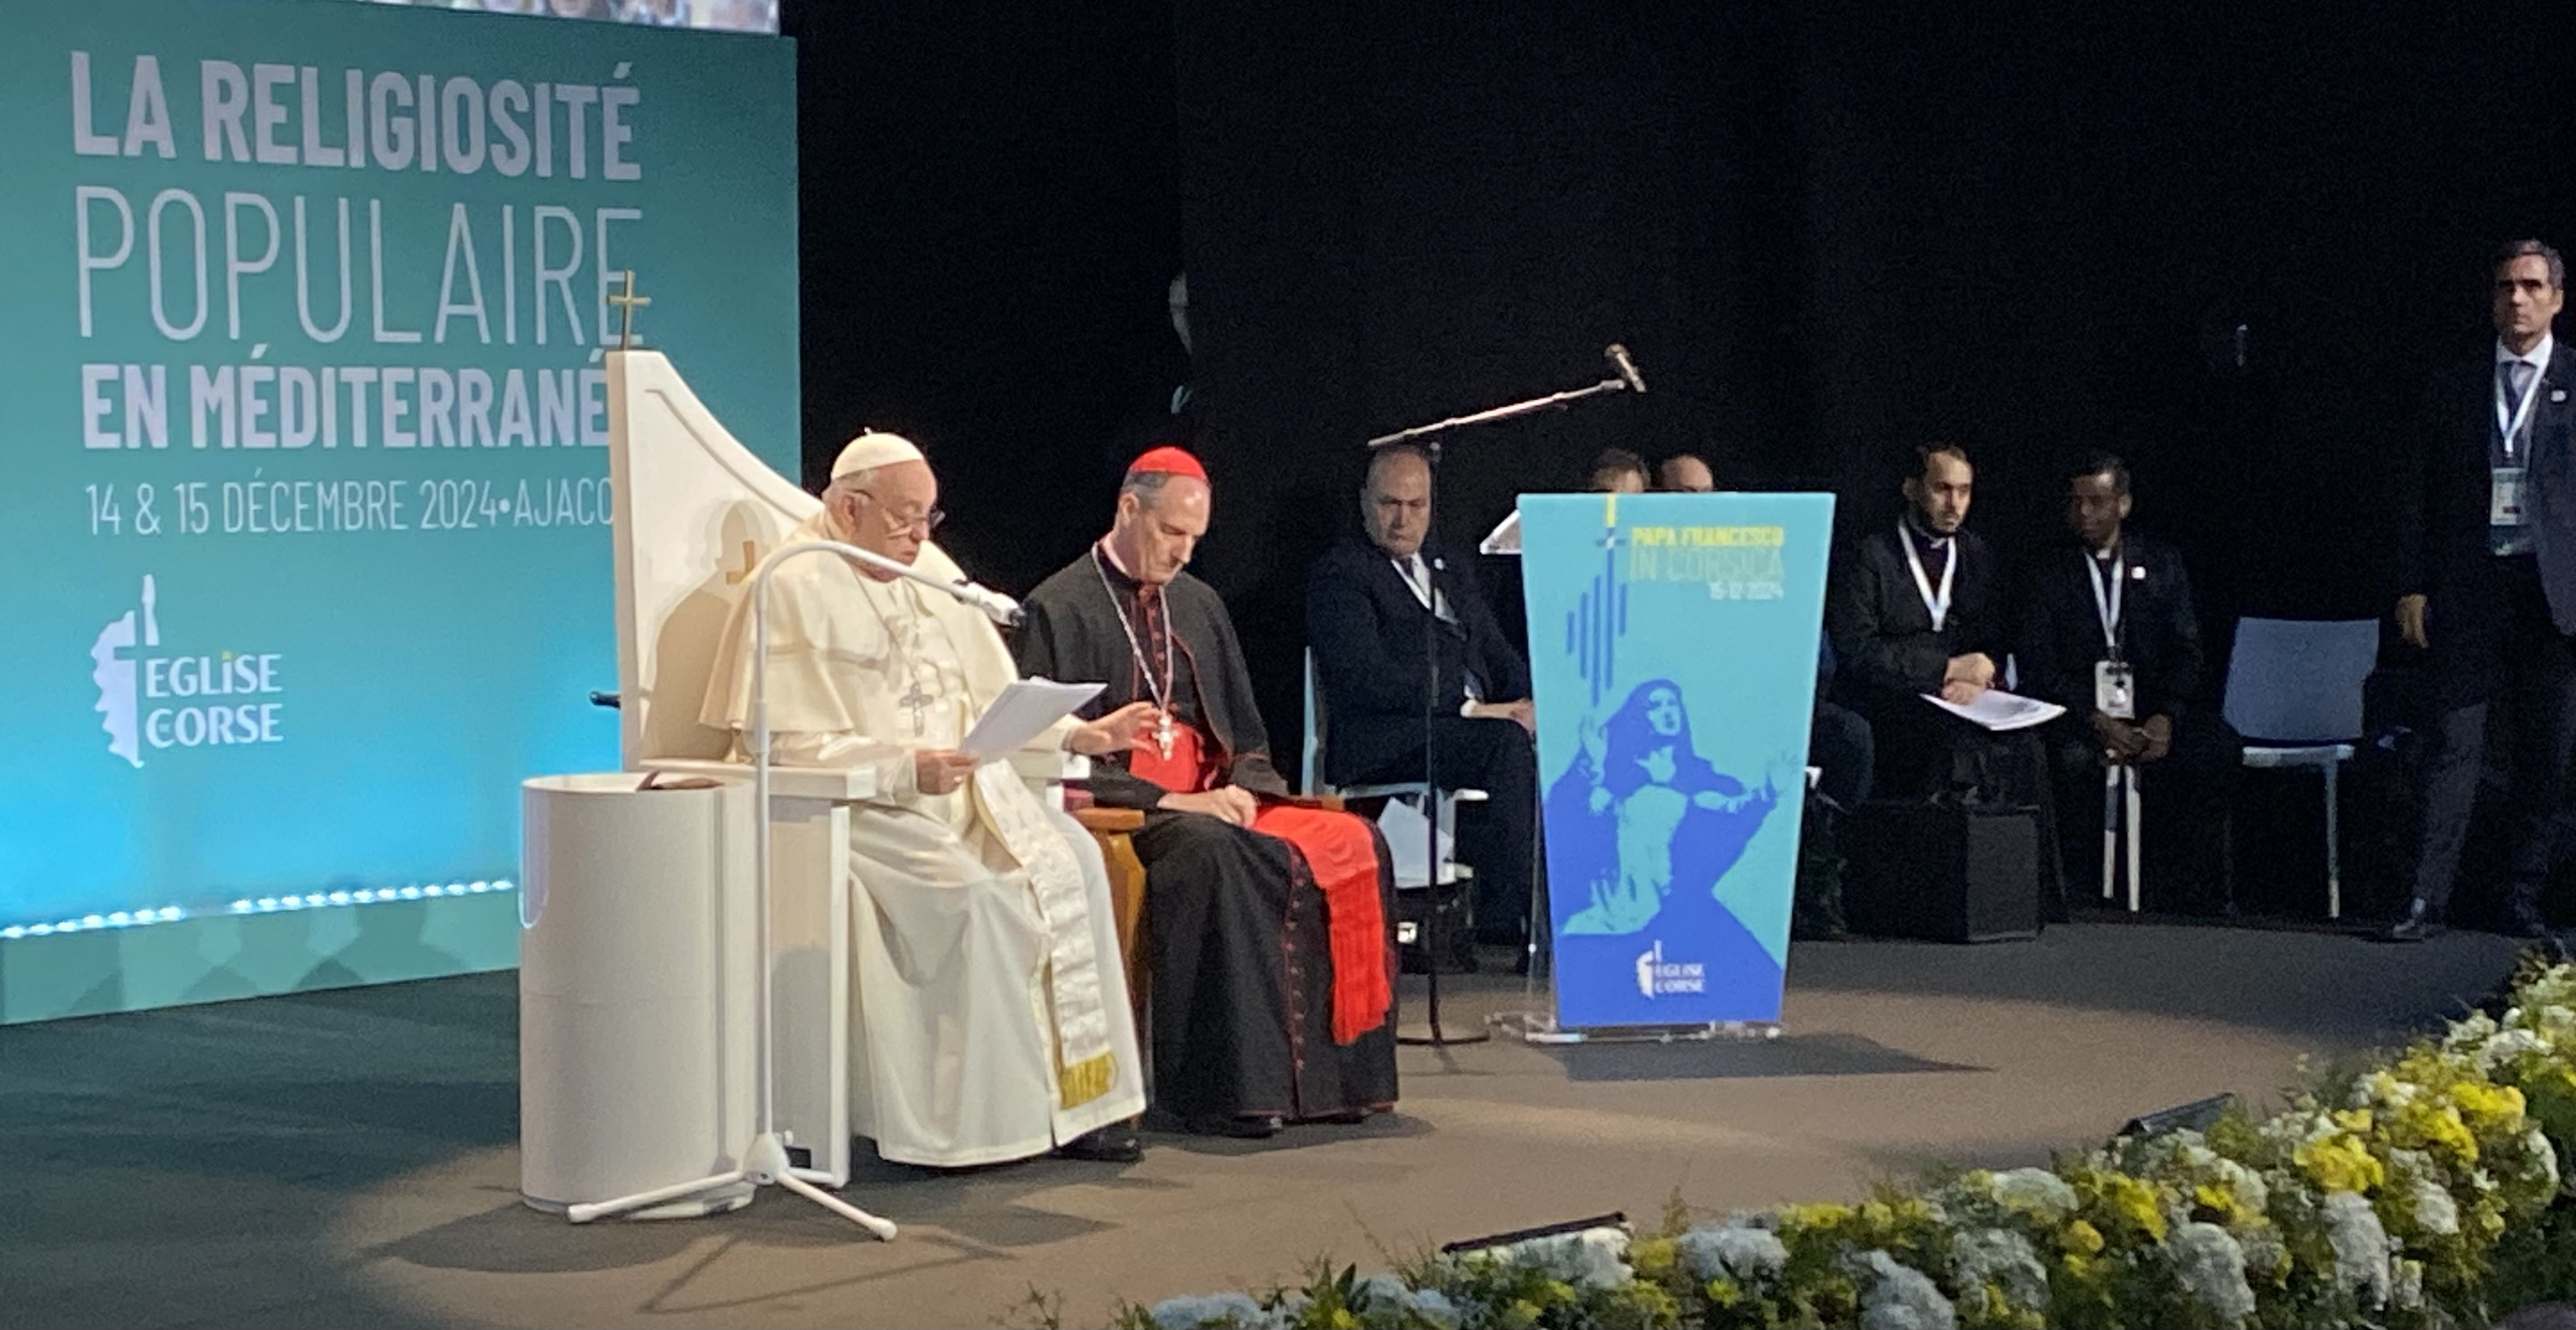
[{"x": 348, "y": 1158}]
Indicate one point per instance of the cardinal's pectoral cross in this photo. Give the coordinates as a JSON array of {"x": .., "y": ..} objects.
[{"x": 1163, "y": 734}]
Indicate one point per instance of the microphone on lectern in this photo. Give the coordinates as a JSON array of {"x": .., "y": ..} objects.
[{"x": 1627, "y": 367}]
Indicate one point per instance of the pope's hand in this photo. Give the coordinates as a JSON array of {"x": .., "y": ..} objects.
[
  {"x": 1116, "y": 732},
  {"x": 1227, "y": 803},
  {"x": 941, "y": 770}
]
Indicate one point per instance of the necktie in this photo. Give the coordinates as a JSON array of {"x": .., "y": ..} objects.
[{"x": 2516, "y": 376}]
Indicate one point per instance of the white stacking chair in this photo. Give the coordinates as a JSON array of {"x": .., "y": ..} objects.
[
  {"x": 1439, "y": 805},
  {"x": 2294, "y": 693},
  {"x": 2122, "y": 830}
]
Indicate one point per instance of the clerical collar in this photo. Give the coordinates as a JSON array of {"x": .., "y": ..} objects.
[
  {"x": 2108, "y": 553},
  {"x": 1914, "y": 528},
  {"x": 1117, "y": 572}
]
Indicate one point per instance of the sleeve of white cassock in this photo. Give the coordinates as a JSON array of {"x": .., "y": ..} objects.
[{"x": 897, "y": 780}]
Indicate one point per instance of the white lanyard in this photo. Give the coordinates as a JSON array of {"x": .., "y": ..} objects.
[
  {"x": 2108, "y": 607},
  {"x": 1938, "y": 605},
  {"x": 2521, "y": 416}
]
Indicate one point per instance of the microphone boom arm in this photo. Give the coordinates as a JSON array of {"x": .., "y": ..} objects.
[
  {"x": 993, "y": 604},
  {"x": 1618, "y": 383},
  {"x": 1499, "y": 413}
]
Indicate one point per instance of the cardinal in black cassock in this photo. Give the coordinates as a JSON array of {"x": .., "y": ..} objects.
[{"x": 1272, "y": 962}]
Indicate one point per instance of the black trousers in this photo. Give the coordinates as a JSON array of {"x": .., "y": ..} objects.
[
  {"x": 1839, "y": 745},
  {"x": 1498, "y": 837},
  {"x": 2494, "y": 644},
  {"x": 1926, "y": 753},
  {"x": 2183, "y": 800}
]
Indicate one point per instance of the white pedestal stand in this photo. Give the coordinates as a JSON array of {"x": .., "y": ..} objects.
[{"x": 635, "y": 969}]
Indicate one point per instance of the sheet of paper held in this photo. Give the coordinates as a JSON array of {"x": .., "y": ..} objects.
[
  {"x": 1021, "y": 713},
  {"x": 1998, "y": 710}
]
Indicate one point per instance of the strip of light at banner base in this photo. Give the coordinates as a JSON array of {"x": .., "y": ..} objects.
[{"x": 320, "y": 900}]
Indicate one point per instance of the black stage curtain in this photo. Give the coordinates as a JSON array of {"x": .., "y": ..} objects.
[{"x": 1828, "y": 231}]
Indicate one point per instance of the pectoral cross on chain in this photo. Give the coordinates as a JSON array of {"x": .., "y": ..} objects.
[
  {"x": 918, "y": 702},
  {"x": 627, "y": 302}
]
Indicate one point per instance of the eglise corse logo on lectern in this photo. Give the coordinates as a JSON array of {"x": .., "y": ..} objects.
[{"x": 148, "y": 699}]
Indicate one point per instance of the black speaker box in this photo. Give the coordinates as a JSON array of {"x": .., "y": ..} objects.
[
  {"x": 1413, "y": 927},
  {"x": 1945, "y": 872}
]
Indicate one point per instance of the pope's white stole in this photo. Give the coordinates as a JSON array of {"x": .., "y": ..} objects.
[{"x": 1085, "y": 1066}]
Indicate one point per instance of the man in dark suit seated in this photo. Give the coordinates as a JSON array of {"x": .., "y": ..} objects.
[
  {"x": 1374, "y": 606},
  {"x": 2109, "y": 633},
  {"x": 1915, "y": 609}
]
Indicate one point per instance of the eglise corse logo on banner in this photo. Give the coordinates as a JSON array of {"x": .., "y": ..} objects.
[{"x": 149, "y": 698}]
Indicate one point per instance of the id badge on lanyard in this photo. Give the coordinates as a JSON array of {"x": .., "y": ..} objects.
[
  {"x": 2504, "y": 488},
  {"x": 2504, "y": 496},
  {"x": 2115, "y": 684}
]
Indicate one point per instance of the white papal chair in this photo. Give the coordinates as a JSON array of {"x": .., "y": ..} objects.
[{"x": 694, "y": 512}]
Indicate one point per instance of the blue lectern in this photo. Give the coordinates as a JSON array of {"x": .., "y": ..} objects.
[{"x": 1673, "y": 645}]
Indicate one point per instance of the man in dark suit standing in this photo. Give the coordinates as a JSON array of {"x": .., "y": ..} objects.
[
  {"x": 2109, "y": 633},
  {"x": 1368, "y": 601},
  {"x": 2486, "y": 543}
]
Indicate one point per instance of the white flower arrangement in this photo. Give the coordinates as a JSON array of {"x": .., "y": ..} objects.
[
  {"x": 2408, "y": 1195},
  {"x": 1896, "y": 1296}
]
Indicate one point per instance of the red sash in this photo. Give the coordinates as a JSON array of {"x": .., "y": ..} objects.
[{"x": 1341, "y": 854}]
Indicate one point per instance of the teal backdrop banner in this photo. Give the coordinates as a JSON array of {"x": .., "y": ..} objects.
[
  {"x": 1674, "y": 645},
  {"x": 305, "y": 529}
]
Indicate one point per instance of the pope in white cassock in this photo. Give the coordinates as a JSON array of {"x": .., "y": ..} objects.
[{"x": 991, "y": 1012}]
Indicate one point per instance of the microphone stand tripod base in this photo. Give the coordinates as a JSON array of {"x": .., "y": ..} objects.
[{"x": 764, "y": 1164}]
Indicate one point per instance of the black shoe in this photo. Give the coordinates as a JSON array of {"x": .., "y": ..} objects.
[
  {"x": 1114, "y": 1144},
  {"x": 2417, "y": 926},
  {"x": 1255, "y": 1128}
]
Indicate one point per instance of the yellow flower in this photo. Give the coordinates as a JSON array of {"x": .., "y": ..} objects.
[
  {"x": 2340, "y": 1163},
  {"x": 2439, "y": 1127},
  {"x": 1820, "y": 1215},
  {"x": 2135, "y": 1202},
  {"x": 2082, "y": 1239},
  {"x": 1724, "y": 1293},
  {"x": 2489, "y": 1107},
  {"x": 2354, "y": 1120}
]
